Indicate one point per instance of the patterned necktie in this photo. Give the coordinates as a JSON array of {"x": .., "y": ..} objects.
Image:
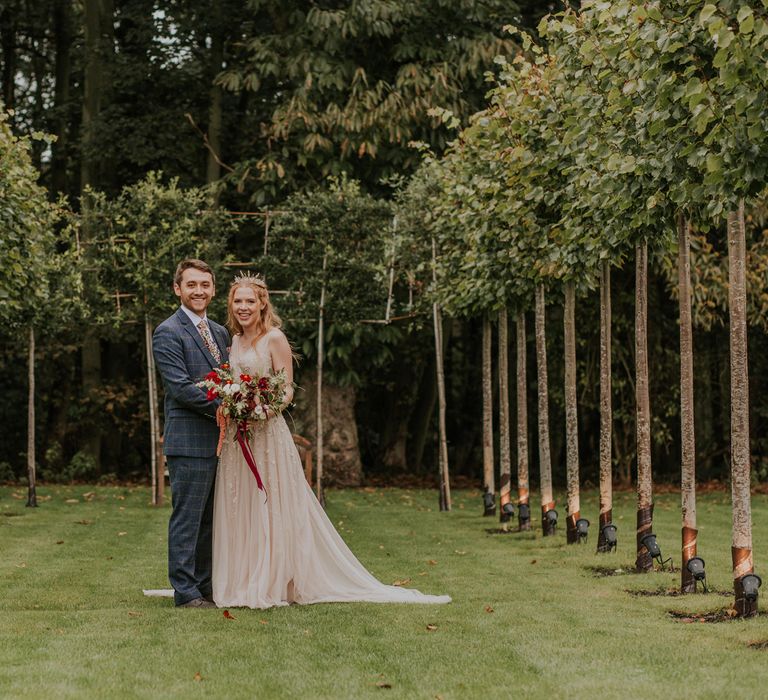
[{"x": 205, "y": 334}]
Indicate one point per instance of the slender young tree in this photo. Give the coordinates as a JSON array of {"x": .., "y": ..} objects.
[
  {"x": 545, "y": 460},
  {"x": 741, "y": 547},
  {"x": 505, "y": 456},
  {"x": 489, "y": 487},
  {"x": 571, "y": 414},
  {"x": 522, "y": 422},
  {"x": 644, "y": 562},
  {"x": 687, "y": 439},
  {"x": 606, "y": 413}
]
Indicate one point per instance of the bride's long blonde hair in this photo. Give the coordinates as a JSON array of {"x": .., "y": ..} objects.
[{"x": 267, "y": 318}]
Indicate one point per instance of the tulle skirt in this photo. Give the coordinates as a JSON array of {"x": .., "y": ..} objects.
[{"x": 280, "y": 547}]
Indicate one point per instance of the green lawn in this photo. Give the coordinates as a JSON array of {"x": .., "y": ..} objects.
[{"x": 529, "y": 618}]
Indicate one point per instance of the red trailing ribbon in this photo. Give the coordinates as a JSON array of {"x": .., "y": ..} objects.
[{"x": 242, "y": 439}]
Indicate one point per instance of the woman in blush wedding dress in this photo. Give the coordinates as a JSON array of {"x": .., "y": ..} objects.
[{"x": 280, "y": 547}]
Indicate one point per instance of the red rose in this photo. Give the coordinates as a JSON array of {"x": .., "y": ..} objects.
[
  {"x": 213, "y": 377},
  {"x": 212, "y": 394},
  {"x": 263, "y": 383},
  {"x": 225, "y": 365},
  {"x": 245, "y": 377}
]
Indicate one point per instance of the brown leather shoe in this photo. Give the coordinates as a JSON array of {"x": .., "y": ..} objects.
[{"x": 198, "y": 603}]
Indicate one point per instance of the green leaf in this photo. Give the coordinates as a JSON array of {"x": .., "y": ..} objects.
[{"x": 706, "y": 12}]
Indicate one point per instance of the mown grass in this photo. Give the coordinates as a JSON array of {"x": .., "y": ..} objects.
[{"x": 529, "y": 619}]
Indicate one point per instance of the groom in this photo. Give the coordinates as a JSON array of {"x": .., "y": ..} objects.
[{"x": 186, "y": 347}]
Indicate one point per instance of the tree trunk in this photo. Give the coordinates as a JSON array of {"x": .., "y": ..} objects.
[
  {"x": 342, "y": 465},
  {"x": 8, "y": 47},
  {"x": 319, "y": 428},
  {"x": 213, "y": 169},
  {"x": 156, "y": 446},
  {"x": 687, "y": 436},
  {"x": 62, "y": 27},
  {"x": 606, "y": 412},
  {"x": 445, "y": 485},
  {"x": 545, "y": 460},
  {"x": 571, "y": 413},
  {"x": 488, "y": 461},
  {"x": 423, "y": 414},
  {"x": 505, "y": 459},
  {"x": 741, "y": 546},
  {"x": 31, "y": 468},
  {"x": 522, "y": 422},
  {"x": 644, "y": 562}
]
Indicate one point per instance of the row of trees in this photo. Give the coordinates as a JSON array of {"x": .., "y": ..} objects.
[{"x": 634, "y": 123}]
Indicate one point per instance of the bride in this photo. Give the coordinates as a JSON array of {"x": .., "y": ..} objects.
[{"x": 283, "y": 548}]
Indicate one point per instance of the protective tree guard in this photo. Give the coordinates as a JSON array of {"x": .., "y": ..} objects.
[
  {"x": 606, "y": 410},
  {"x": 545, "y": 459},
  {"x": 644, "y": 478},
  {"x": 571, "y": 415},
  {"x": 522, "y": 423},
  {"x": 741, "y": 546},
  {"x": 687, "y": 438}
]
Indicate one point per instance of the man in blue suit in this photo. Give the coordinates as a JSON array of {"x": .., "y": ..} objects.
[{"x": 187, "y": 346}]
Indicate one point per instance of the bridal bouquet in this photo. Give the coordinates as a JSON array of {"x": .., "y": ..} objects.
[{"x": 245, "y": 399}]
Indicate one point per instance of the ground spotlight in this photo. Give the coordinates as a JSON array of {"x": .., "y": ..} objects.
[
  {"x": 582, "y": 529},
  {"x": 650, "y": 543},
  {"x": 507, "y": 512},
  {"x": 695, "y": 567},
  {"x": 609, "y": 536},
  {"x": 750, "y": 583},
  {"x": 524, "y": 513},
  {"x": 489, "y": 503},
  {"x": 551, "y": 517}
]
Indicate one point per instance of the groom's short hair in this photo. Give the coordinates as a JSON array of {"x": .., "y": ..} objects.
[{"x": 192, "y": 263}]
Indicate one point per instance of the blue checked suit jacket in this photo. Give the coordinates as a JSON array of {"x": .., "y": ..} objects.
[{"x": 183, "y": 359}]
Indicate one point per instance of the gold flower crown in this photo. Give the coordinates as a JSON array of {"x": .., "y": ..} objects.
[{"x": 248, "y": 278}]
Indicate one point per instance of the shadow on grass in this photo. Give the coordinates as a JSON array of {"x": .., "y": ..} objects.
[
  {"x": 672, "y": 592},
  {"x": 722, "y": 615}
]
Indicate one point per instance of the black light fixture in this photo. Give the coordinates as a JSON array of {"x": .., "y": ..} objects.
[
  {"x": 582, "y": 529},
  {"x": 695, "y": 566},
  {"x": 650, "y": 543},
  {"x": 524, "y": 513},
  {"x": 507, "y": 512},
  {"x": 750, "y": 583},
  {"x": 609, "y": 536},
  {"x": 489, "y": 503},
  {"x": 551, "y": 517}
]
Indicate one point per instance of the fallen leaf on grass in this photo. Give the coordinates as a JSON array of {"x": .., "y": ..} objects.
[
  {"x": 382, "y": 684},
  {"x": 23, "y": 565},
  {"x": 731, "y": 612},
  {"x": 431, "y": 628},
  {"x": 488, "y": 609},
  {"x": 459, "y": 551},
  {"x": 422, "y": 573},
  {"x": 263, "y": 622},
  {"x": 89, "y": 496},
  {"x": 228, "y": 615},
  {"x": 59, "y": 541},
  {"x": 432, "y": 562},
  {"x": 533, "y": 561},
  {"x": 122, "y": 534},
  {"x": 133, "y": 613},
  {"x": 71, "y": 500},
  {"x": 83, "y": 522},
  {"x": 197, "y": 677},
  {"x": 401, "y": 582},
  {"x": 17, "y": 496}
]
